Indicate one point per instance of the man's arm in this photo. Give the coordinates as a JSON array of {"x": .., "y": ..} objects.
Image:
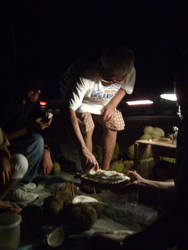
[
  {"x": 36, "y": 125},
  {"x": 157, "y": 184},
  {"x": 138, "y": 182},
  {"x": 109, "y": 110},
  {"x": 76, "y": 128},
  {"x": 17, "y": 133},
  {"x": 117, "y": 98},
  {"x": 89, "y": 157},
  {"x": 5, "y": 173}
]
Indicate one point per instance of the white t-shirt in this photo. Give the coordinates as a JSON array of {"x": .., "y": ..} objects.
[{"x": 91, "y": 96}]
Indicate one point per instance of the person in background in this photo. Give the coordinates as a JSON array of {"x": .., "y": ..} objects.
[
  {"x": 96, "y": 86},
  {"x": 12, "y": 170},
  {"x": 23, "y": 125}
]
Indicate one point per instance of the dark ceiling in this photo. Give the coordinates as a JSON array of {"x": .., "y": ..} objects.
[{"x": 40, "y": 39}]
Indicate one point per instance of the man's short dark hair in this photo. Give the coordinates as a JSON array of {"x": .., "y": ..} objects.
[
  {"x": 33, "y": 85},
  {"x": 116, "y": 60}
]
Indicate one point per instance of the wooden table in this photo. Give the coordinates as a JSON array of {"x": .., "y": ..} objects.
[{"x": 156, "y": 147}]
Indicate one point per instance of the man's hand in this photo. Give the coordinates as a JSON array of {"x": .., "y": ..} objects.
[
  {"x": 47, "y": 162},
  {"x": 6, "y": 170},
  {"x": 43, "y": 125},
  {"x": 108, "y": 112},
  {"x": 136, "y": 179},
  {"x": 15, "y": 209},
  {"x": 135, "y": 183},
  {"x": 12, "y": 207},
  {"x": 89, "y": 160}
]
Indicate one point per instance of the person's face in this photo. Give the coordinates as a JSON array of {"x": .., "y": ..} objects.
[
  {"x": 112, "y": 79},
  {"x": 33, "y": 95}
]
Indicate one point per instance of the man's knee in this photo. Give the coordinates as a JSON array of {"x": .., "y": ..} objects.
[
  {"x": 117, "y": 122},
  {"x": 38, "y": 141},
  {"x": 20, "y": 166},
  {"x": 38, "y": 138},
  {"x": 110, "y": 131}
]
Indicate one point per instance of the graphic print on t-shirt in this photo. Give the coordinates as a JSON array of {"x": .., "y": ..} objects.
[{"x": 104, "y": 94}]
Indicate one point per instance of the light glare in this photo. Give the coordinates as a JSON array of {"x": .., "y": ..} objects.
[
  {"x": 140, "y": 102},
  {"x": 170, "y": 97}
]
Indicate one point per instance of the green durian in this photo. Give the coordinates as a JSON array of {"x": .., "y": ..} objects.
[
  {"x": 145, "y": 137},
  {"x": 117, "y": 166},
  {"x": 56, "y": 168},
  {"x": 130, "y": 152},
  {"x": 148, "y": 130},
  {"x": 99, "y": 207},
  {"x": 52, "y": 205},
  {"x": 82, "y": 216}
]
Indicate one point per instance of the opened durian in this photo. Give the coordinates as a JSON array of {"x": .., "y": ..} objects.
[{"x": 56, "y": 237}]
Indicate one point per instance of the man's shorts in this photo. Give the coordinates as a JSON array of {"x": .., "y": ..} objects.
[{"x": 86, "y": 121}]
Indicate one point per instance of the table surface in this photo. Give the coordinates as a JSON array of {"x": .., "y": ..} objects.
[{"x": 162, "y": 143}]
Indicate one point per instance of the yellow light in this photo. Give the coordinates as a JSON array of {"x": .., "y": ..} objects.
[
  {"x": 140, "y": 102},
  {"x": 170, "y": 97},
  {"x": 42, "y": 103}
]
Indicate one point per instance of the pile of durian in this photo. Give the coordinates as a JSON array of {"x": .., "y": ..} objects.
[
  {"x": 149, "y": 133},
  {"x": 76, "y": 212},
  {"x": 63, "y": 213}
]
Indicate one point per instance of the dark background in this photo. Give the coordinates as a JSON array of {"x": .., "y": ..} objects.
[{"x": 39, "y": 39}]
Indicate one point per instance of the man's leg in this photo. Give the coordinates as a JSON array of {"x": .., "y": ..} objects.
[
  {"x": 88, "y": 139},
  {"x": 19, "y": 168},
  {"x": 87, "y": 127},
  {"x": 110, "y": 136},
  {"x": 109, "y": 142}
]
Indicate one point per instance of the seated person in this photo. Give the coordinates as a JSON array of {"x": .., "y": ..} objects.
[
  {"x": 22, "y": 122},
  {"x": 12, "y": 170}
]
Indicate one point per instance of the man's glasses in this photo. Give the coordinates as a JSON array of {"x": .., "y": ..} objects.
[{"x": 113, "y": 79}]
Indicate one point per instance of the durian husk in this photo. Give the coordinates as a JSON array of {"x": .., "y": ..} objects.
[
  {"x": 98, "y": 152},
  {"x": 52, "y": 205},
  {"x": 68, "y": 188},
  {"x": 82, "y": 217},
  {"x": 56, "y": 168},
  {"x": 66, "y": 193},
  {"x": 130, "y": 152},
  {"x": 99, "y": 207},
  {"x": 145, "y": 137},
  {"x": 117, "y": 166}
]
